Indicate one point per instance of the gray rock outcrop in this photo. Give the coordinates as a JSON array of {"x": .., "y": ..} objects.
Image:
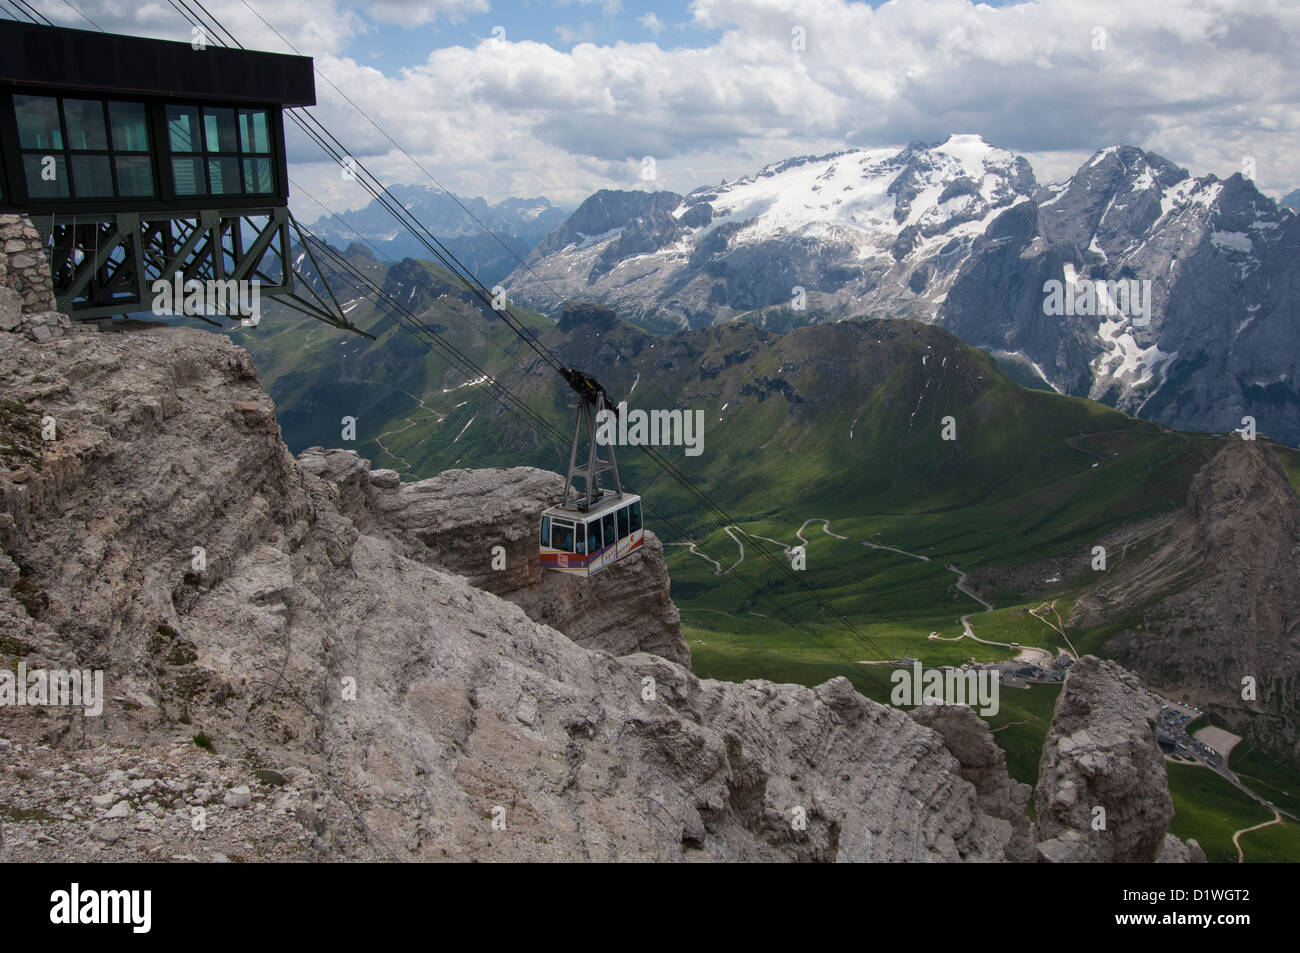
[
  {"x": 983, "y": 764},
  {"x": 456, "y": 519},
  {"x": 1102, "y": 793},
  {"x": 24, "y": 268},
  {"x": 1229, "y": 562}
]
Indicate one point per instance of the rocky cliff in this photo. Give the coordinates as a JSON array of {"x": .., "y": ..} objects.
[
  {"x": 302, "y": 660},
  {"x": 457, "y": 519},
  {"x": 1213, "y": 343},
  {"x": 1102, "y": 794},
  {"x": 284, "y": 681},
  {"x": 1213, "y": 597}
]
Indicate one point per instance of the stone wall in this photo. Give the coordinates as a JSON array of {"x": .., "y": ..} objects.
[
  {"x": 23, "y": 265},
  {"x": 26, "y": 291}
]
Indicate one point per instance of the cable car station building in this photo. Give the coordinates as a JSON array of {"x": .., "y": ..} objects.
[{"x": 140, "y": 159}]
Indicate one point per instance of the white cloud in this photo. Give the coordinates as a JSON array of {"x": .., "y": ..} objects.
[
  {"x": 1203, "y": 82},
  {"x": 652, "y": 23},
  {"x": 314, "y": 26},
  {"x": 580, "y": 34},
  {"x": 419, "y": 12},
  {"x": 607, "y": 7}
]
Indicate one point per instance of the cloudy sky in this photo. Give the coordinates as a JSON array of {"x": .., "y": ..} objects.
[{"x": 563, "y": 97}]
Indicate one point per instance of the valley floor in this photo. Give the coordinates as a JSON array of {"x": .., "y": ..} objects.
[{"x": 731, "y": 639}]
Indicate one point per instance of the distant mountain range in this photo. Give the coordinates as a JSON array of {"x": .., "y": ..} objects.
[
  {"x": 861, "y": 233},
  {"x": 960, "y": 234},
  {"x": 519, "y": 223},
  {"x": 1292, "y": 200}
]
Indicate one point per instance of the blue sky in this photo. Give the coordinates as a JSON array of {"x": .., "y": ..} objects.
[{"x": 559, "y": 25}]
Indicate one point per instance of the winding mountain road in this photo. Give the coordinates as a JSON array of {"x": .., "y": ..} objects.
[
  {"x": 826, "y": 528},
  {"x": 1032, "y": 655},
  {"x": 691, "y": 547},
  {"x": 735, "y": 532},
  {"x": 1036, "y": 656}
]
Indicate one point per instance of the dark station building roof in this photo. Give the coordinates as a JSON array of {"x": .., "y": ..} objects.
[
  {"x": 96, "y": 123},
  {"x": 60, "y": 58}
]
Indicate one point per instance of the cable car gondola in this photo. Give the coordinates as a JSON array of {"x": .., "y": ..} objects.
[{"x": 592, "y": 527}]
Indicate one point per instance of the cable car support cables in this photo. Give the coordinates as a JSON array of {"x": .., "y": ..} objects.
[{"x": 323, "y": 137}]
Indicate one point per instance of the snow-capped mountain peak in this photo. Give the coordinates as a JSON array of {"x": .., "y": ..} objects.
[
  {"x": 896, "y": 223},
  {"x": 1178, "y": 306}
]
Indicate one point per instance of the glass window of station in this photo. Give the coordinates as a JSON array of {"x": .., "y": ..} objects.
[
  {"x": 84, "y": 148},
  {"x": 220, "y": 150}
]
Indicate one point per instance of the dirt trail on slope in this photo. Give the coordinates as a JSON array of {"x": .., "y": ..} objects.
[{"x": 1236, "y": 842}]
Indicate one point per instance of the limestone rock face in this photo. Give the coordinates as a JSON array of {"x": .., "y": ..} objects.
[
  {"x": 455, "y": 520},
  {"x": 1101, "y": 753},
  {"x": 984, "y": 765},
  {"x": 1218, "y": 598},
  {"x": 624, "y": 609},
  {"x": 277, "y": 662}
]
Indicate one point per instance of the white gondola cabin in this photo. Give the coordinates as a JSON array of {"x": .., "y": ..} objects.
[
  {"x": 584, "y": 543},
  {"x": 592, "y": 527}
]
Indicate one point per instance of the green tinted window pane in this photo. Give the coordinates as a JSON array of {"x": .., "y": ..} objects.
[
  {"x": 38, "y": 122},
  {"x": 183, "y": 129},
  {"x": 84, "y": 119},
  {"x": 91, "y": 177},
  {"x": 219, "y": 129},
  {"x": 257, "y": 176},
  {"x": 135, "y": 175},
  {"x": 46, "y": 180},
  {"x": 253, "y": 131},
  {"x": 130, "y": 128},
  {"x": 188, "y": 175},
  {"x": 223, "y": 174}
]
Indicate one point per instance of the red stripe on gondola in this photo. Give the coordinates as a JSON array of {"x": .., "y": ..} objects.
[{"x": 582, "y": 562}]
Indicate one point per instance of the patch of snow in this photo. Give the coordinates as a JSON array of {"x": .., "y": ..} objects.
[
  {"x": 1234, "y": 241},
  {"x": 466, "y": 427},
  {"x": 1125, "y": 359},
  {"x": 1109, "y": 150},
  {"x": 1176, "y": 195},
  {"x": 1280, "y": 379},
  {"x": 474, "y": 383},
  {"x": 587, "y": 241},
  {"x": 1057, "y": 191}
]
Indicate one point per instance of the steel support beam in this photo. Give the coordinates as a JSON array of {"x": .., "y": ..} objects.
[{"x": 105, "y": 266}]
